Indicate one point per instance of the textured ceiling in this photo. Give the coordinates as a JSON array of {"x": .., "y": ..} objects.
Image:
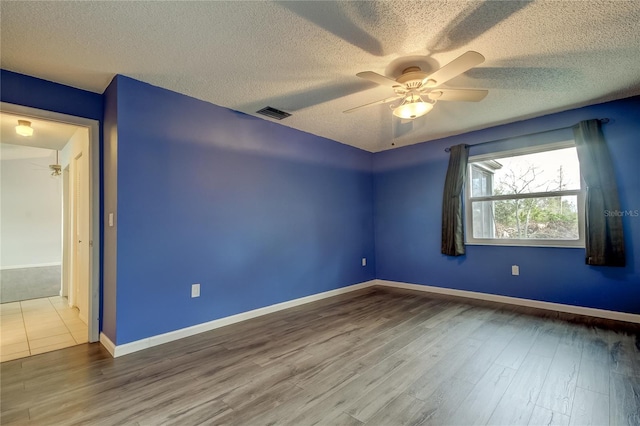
[{"x": 302, "y": 57}]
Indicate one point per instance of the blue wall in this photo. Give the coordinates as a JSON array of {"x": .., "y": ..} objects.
[
  {"x": 109, "y": 195},
  {"x": 255, "y": 212},
  {"x": 408, "y": 186},
  {"x": 33, "y": 92},
  {"x": 259, "y": 213}
]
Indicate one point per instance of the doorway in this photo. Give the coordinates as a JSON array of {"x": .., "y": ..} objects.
[
  {"x": 80, "y": 270},
  {"x": 30, "y": 220}
]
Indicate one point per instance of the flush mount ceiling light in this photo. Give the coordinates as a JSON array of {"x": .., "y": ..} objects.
[
  {"x": 24, "y": 128},
  {"x": 412, "y": 106}
]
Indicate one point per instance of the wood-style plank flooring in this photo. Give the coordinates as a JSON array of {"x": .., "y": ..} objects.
[{"x": 378, "y": 356}]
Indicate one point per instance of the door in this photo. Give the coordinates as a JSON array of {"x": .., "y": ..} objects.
[{"x": 80, "y": 216}]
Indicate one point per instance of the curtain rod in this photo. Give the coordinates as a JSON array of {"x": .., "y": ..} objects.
[{"x": 601, "y": 120}]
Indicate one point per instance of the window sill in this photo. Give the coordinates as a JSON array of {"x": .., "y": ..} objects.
[{"x": 578, "y": 245}]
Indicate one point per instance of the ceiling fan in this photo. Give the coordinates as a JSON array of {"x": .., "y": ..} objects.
[
  {"x": 56, "y": 169},
  {"x": 419, "y": 90}
]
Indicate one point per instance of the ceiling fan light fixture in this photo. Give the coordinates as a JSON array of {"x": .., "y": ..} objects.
[
  {"x": 24, "y": 128},
  {"x": 413, "y": 106},
  {"x": 56, "y": 169}
]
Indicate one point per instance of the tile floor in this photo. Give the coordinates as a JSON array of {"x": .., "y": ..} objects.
[{"x": 36, "y": 326}]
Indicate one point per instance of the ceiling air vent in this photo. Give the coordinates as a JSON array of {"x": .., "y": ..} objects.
[{"x": 273, "y": 113}]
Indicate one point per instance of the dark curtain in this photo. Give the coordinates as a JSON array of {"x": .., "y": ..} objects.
[
  {"x": 452, "y": 232},
  {"x": 604, "y": 238}
]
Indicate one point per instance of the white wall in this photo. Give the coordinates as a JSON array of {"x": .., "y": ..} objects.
[{"x": 30, "y": 208}]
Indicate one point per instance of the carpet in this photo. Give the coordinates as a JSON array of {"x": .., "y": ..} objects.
[{"x": 29, "y": 283}]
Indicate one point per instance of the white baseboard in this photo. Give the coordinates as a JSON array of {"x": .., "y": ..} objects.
[
  {"x": 138, "y": 345},
  {"x": 108, "y": 344},
  {"x": 593, "y": 312},
  {"x": 34, "y": 265}
]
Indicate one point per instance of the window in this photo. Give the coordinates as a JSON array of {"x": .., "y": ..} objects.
[{"x": 526, "y": 197}]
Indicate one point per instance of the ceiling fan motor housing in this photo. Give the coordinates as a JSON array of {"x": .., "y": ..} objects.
[{"x": 412, "y": 77}]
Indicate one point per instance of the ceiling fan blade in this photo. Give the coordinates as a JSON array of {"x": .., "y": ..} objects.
[
  {"x": 469, "y": 95},
  {"x": 379, "y": 79},
  {"x": 381, "y": 101},
  {"x": 454, "y": 68}
]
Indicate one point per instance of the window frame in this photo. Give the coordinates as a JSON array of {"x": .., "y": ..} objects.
[{"x": 521, "y": 242}]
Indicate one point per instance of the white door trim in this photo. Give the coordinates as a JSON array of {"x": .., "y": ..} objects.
[{"x": 94, "y": 196}]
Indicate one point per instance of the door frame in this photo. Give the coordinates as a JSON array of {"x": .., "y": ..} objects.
[
  {"x": 79, "y": 231},
  {"x": 95, "y": 244},
  {"x": 66, "y": 225}
]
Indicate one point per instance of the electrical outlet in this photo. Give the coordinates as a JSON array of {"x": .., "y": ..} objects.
[
  {"x": 195, "y": 290},
  {"x": 515, "y": 270},
  {"x": 364, "y": 261}
]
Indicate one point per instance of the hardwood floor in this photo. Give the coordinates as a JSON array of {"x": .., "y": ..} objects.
[{"x": 378, "y": 356}]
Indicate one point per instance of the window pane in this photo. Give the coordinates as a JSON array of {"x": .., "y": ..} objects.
[
  {"x": 483, "y": 224},
  {"x": 481, "y": 181},
  {"x": 555, "y": 170},
  {"x": 554, "y": 218}
]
